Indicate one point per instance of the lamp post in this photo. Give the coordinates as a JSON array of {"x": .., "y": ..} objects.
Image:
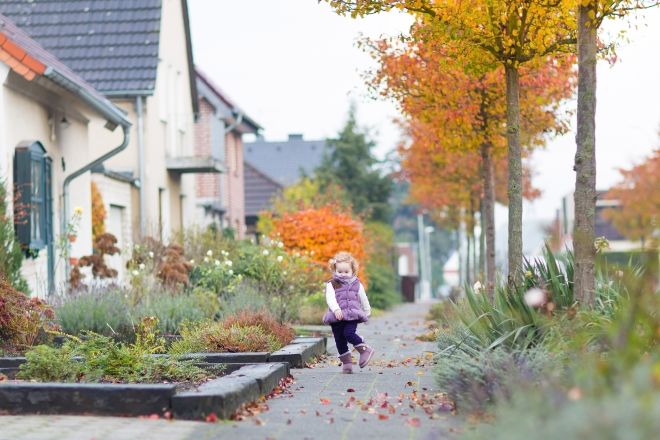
[{"x": 427, "y": 248}]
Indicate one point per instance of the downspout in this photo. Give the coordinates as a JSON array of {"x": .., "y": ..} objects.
[
  {"x": 77, "y": 173},
  {"x": 141, "y": 172}
]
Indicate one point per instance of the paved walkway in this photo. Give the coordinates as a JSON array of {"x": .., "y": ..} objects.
[{"x": 394, "y": 398}]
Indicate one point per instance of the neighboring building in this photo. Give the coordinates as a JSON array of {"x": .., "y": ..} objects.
[
  {"x": 219, "y": 133},
  {"x": 603, "y": 227},
  {"x": 54, "y": 127},
  {"x": 272, "y": 166},
  {"x": 407, "y": 262},
  {"x": 138, "y": 53}
]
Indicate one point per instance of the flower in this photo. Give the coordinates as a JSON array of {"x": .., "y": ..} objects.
[
  {"x": 192, "y": 261},
  {"x": 478, "y": 287},
  {"x": 78, "y": 210},
  {"x": 151, "y": 254},
  {"x": 534, "y": 297},
  {"x": 142, "y": 266},
  {"x": 284, "y": 273},
  {"x": 135, "y": 273},
  {"x": 217, "y": 262},
  {"x": 265, "y": 252},
  {"x": 209, "y": 253},
  {"x": 280, "y": 245},
  {"x": 280, "y": 258},
  {"x": 528, "y": 274},
  {"x": 231, "y": 272},
  {"x": 228, "y": 263},
  {"x": 206, "y": 259},
  {"x": 224, "y": 253},
  {"x": 600, "y": 244}
]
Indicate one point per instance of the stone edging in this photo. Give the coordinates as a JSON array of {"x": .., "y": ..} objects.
[
  {"x": 221, "y": 396},
  {"x": 299, "y": 352}
]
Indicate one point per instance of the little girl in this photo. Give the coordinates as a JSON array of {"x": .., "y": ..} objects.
[{"x": 348, "y": 305}]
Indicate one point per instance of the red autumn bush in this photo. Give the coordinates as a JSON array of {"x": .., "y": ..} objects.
[
  {"x": 23, "y": 320},
  {"x": 282, "y": 332}
]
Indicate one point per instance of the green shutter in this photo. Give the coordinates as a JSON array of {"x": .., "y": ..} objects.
[{"x": 22, "y": 195}]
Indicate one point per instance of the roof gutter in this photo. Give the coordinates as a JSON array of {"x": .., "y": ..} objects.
[{"x": 114, "y": 118}]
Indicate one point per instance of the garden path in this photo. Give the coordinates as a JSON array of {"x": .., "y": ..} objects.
[{"x": 387, "y": 400}]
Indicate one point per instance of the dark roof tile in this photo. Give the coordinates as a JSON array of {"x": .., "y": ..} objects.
[{"x": 112, "y": 44}]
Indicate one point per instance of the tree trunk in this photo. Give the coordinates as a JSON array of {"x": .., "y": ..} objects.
[
  {"x": 585, "y": 159},
  {"x": 515, "y": 172},
  {"x": 489, "y": 214},
  {"x": 482, "y": 241}
]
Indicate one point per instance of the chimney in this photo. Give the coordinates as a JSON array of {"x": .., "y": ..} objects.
[{"x": 295, "y": 137}]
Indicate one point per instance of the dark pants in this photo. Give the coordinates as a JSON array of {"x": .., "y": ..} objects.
[{"x": 344, "y": 332}]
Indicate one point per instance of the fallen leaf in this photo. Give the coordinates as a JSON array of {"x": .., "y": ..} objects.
[
  {"x": 414, "y": 422},
  {"x": 289, "y": 421},
  {"x": 318, "y": 413},
  {"x": 350, "y": 390},
  {"x": 212, "y": 418},
  {"x": 167, "y": 415},
  {"x": 325, "y": 401},
  {"x": 383, "y": 417}
]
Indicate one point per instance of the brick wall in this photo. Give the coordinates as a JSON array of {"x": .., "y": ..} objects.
[{"x": 207, "y": 185}]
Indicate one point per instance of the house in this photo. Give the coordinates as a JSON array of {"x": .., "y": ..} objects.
[
  {"x": 603, "y": 227},
  {"x": 219, "y": 132},
  {"x": 54, "y": 128},
  {"x": 272, "y": 166},
  {"x": 138, "y": 54}
]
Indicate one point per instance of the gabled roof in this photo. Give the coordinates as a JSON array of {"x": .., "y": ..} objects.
[
  {"x": 223, "y": 105},
  {"x": 285, "y": 162},
  {"x": 30, "y": 60},
  {"x": 112, "y": 44}
]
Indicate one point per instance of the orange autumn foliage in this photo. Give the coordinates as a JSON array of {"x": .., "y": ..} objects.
[
  {"x": 321, "y": 233},
  {"x": 98, "y": 212}
]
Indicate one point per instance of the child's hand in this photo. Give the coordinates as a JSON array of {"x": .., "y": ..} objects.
[{"x": 339, "y": 315}]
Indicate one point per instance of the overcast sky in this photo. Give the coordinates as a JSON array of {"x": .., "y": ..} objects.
[{"x": 293, "y": 66}]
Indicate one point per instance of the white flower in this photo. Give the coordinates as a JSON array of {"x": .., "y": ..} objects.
[
  {"x": 151, "y": 254},
  {"x": 280, "y": 258},
  {"x": 231, "y": 271},
  {"x": 229, "y": 263},
  {"x": 311, "y": 252},
  {"x": 280, "y": 245},
  {"x": 192, "y": 261},
  {"x": 478, "y": 287},
  {"x": 534, "y": 297},
  {"x": 284, "y": 272},
  {"x": 142, "y": 266},
  {"x": 224, "y": 253},
  {"x": 209, "y": 253},
  {"x": 217, "y": 262},
  {"x": 206, "y": 259},
  {"x": 135, "y": 273},
  {"x": 265, "y": 252}
]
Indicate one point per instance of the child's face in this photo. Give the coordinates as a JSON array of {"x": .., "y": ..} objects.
[{"x": 344, "y": 269}]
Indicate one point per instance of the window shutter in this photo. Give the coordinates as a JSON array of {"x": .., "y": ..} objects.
[{"x": 22, "y": 195}]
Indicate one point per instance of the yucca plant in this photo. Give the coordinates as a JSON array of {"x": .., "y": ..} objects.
[
  {"x": 553, "y": 275},
  {"x": 506, "y": 320}
]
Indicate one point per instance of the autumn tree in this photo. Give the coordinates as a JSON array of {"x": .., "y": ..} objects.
[
  {"x": 504, "y": 32},
  {"x": 590, "y": 16},
  {"x": 98, "y": 212},
  {"x": 637, "y": 217},
  {"x": 463, "y": 109}
]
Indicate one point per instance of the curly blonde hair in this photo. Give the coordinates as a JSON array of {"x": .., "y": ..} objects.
[{"x": 343, "y": 257}]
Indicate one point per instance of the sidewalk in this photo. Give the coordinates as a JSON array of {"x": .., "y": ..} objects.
[{"x": 388, "y": 399}]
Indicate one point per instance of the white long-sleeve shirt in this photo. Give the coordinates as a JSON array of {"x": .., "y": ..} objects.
[{"x": 331, "y": 299}]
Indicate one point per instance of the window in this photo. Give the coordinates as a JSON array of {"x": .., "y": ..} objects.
[{"x": 32, "y": 188}]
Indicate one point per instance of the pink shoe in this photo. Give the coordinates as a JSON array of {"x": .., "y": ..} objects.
[
  {"x": 346, "y": 363},
  {"x": 366, "y": 353}
]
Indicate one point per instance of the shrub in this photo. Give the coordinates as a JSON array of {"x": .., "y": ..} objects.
[
  {"x": 209, "y": 336},
  {"x": 11, "y": 255},
  {"x": 109, "y": 311},
  {"x": 23, "y": 321},
  {"x": 215, "y": 275},
  {"x": 477, "y": 378},
  {"x": 383, "y": 291},
  {"x": 95, "y": 358},
  {"x": 282, "y": 332}
]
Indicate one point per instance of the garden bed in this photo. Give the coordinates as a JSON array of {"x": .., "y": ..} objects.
[
  {"x": 221, "y": 396},
  {"x": 296, "y": 354}
]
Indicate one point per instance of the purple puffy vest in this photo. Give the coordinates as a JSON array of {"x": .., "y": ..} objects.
[{"x": 349, "y": 302}]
